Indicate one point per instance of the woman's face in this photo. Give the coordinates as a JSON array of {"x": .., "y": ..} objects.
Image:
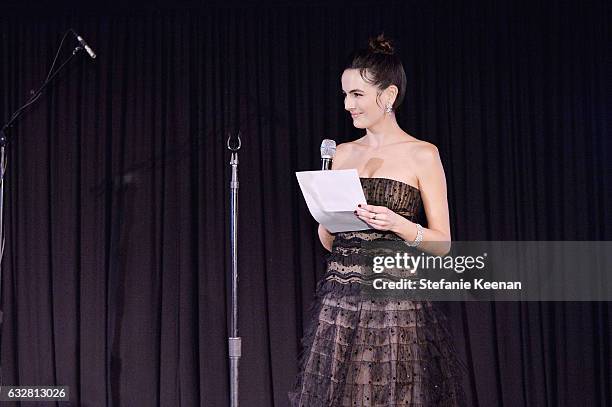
[{"x": 360, "y": 99}]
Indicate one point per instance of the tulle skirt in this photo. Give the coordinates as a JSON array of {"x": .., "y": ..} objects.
[{"x": 376, "y": 352}]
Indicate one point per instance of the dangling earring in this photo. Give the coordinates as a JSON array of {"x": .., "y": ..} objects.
[{"x": 389, "y": 108}]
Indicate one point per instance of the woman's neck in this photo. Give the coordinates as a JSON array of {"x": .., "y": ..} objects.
[{"x": 386, "y": 131}]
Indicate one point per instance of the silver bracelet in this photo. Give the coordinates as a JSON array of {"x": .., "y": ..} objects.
[{"x": 419, "y": 237}]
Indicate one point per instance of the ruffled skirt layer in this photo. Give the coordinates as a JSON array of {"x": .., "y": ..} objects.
[{"x": 376, "y": 352}]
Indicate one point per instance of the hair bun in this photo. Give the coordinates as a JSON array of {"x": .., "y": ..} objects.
[{"x": 381, "y": 45}]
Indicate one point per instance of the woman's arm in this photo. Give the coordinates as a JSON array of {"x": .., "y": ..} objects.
[
  {"x": 326, "y": 238},
  {"x": 432, "y": 184}
]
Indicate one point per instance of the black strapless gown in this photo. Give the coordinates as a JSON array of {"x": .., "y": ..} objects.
[{"x": 361, "y": 351}]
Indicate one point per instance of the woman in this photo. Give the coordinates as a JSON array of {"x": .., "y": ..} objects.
[{"x": 383, "y": 352}]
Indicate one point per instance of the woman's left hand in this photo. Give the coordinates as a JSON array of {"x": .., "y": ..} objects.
[{"x": 380, "y": 217}]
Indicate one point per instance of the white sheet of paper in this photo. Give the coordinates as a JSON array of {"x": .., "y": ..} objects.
[{"x": 332, "y": 197}]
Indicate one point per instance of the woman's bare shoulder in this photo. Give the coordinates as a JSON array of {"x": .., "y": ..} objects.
[
  {"x": 420, "y": 150},
  {"x": 349, "y": 144},
  {"x": 343, "y": 152},
  {"x": 346, "y": 148}
]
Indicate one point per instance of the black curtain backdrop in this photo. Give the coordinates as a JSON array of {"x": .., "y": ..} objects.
[{"x": 115, "y": 275}]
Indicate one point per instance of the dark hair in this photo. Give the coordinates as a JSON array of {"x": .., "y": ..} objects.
[{"x": 379, "y": 66}]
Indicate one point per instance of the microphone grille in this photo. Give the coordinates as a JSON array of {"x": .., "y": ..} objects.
[{"x": 328, "y": 148}]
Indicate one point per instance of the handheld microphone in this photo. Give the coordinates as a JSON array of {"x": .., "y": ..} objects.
[
  {"x": 86, "y": 47},
  {"x": 328, "y": 150}
]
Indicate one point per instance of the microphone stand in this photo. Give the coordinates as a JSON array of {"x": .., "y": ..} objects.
[
  {"x": 234, "y": 341},
  {"x": 4, "y": 141}
]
